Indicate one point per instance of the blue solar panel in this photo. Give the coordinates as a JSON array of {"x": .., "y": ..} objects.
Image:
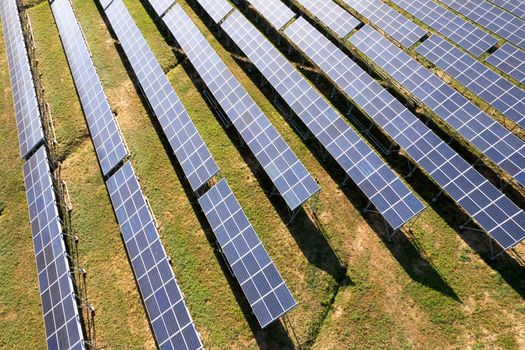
[
  {"x": 332, "y": 15},
  {"x": 275, "y": 12},
  {"x": 263, "y": 286},
  {"x": 455, "y": 176},
  {"x": 167, "y": 312},
  {"x": 491, "y": 17},
  {"x": 492, "y": 139},
  {"x": 385, "y": 190},
  {"x": 218, "y": 9},
  {"x": 59, "y": 305},
  {"x": 517, "y": 7},
  {"x": 511, "y": 60},
  {"x": 288, "y": 174},
  {"x": 487, "y": 84},
  {"x": 185, "y": 141},
  {"x": 28, "y": 122},
  {"x": 463, "y": 33},
  {"x": 103, "y": 127},
  {"x": 406, "y": 32},
  {"x": 161, "y": 6}
]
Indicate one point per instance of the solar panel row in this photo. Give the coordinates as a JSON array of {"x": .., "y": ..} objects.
[
  {"x": 511, "y": 60},
  {"x": 492, "y": 139},
  {"x": 275, "y": 12},
  {"x": 517, "y": 7},
  {"x": 486, "y": 205},
  {"x": 463, "y": 33},
  {"x": 487, "y": 84},
  {"x": 396, "y": 203},
  {"x": 406, "y": 32},
  {"x": 28, "y": 122},
  {"x": 218, "y": 9}
]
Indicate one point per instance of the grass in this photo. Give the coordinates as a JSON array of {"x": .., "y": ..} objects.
[{"x": 427, "y": 289}]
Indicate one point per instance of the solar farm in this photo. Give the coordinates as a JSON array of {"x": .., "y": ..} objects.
[{"x": 262, "y": 174}]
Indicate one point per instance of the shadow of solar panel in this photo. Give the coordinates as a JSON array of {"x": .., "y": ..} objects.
[
  {"x": 263, "y": 286},
  {"x": 516, "y": 7},
  {"x": 27, "y": 113},
  {"x": 385, "y": 190},
  {"x": 451, "y": 172},
  {"x": 218, "y": 9},
  {"x": 185, "y": 141},
  {"x": 288, "y": 174},
  {"x": 59, "y": 305},
  {"x": 169, "y": 317},
  {"x": 275, "y": 12},
  {"x": 109, "y": 145},
  {"x": 332, "y": 15},
  {"x": 510, "y": 60}
]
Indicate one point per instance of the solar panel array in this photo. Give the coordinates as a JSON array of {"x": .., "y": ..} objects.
[
  {"x": 260, "y": 281},
  {"x": 517, "y": 7},
  {"x": 487, "y": 206},
  {"x": 28, "y": 122},
  {"x": 185, "y": 141},
  {"x": 487, "y": 84},
  {"x": 491, "y": 17},
  {"x": 288, "y": 174},
  {"x": 161, "y": 6},
  {"x": 492, "y": 139},
  {"x": 332, "y": 15},
  {"x": 396, "y": 203},
  {"x": 165, "y": 306},
  {"x": 511, "y": 60},
  {"x": 103, "y": 127},
  {"x": 275, "y": 12},
  {"x": 406, "y": 32},
  {"x": 218, "y": 9},
  {"x": 59, "y": 305},
  {"x": 463, "y": 33}
]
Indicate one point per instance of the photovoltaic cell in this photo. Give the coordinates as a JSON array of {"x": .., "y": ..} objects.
[
  {"x": 511, "y": 60},
  {"x": 109, "y": 145},
  {"x": 463, "y": 33},
  {"x": 492, "y": 139},
  {"x": 59, "y": 305},
  {"x": 288, "y": 174},
  {"x": 406, "y": 32},
  {"x": 517, "y": 7},
  {"x": 275, "y": 12},
  {"x": 28, "y": 122},
  {"x": 263, "y": 286},
  {"x": 487, "y": 84},
  {"x": 386, "y": 191},
  {"x": 161, "y": 6},
  {"x": 185, "y": 141},
  {"x": 332, "y": 15},
  {"x": 218, "y": 9},
  {"x": 491, "y": 17},
  {"x": 487, "y": 206},
  {"x": 167, "y": 312}
]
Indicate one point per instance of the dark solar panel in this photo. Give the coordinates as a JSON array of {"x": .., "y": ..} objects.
[
  {"x": 385, "y": 190},
  {"x": 59, "y": 305},
  {"x": 218, "y": 9},
  {"x": 455, "y": 176},
  {"x": 463, "y": 33},
  {"x": 167, "y": 312},
  {"x": 105, "y": 133},
  {"x": 185, "y": 141},
  {"x": 491, "y": 17},
  {"x": 492, "y": 139},
  {"x": 274, "y": 11},
  {"x": 332, "y": 15},
  {"x": 517, "y": 7},
  {"x": 511, "y": 60},
  {"x": 288, "y": 174},
  {"x": 487, "y": 84},
  {"x": 406, "y": 32},
  {"x": 28, "y": 122},
  {"x": 161, "y": 6},
  {"x": 263, "y": 286}
]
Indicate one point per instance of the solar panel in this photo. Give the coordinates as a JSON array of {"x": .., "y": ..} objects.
[
  {"x": 167, "y": 312},
  {"x": 59, "y": 305},
  {"x": 275, "y": 12},
  {"x": 406, "y": 32},
  {"x": 492, "y": 139},
  {"x": 288, "y": 174},
  {"x": 386, "y": 191},
  {"x": 161, "y": 6},
  {"x": 332, "y": 15},
  {"x": 455, "y": 176},
  {"x": 109, "y": 145},
  {"x": 218, "y": 9},
  {"x": 261, "y": 283},
  {"x": 511, "y": 60},
  {"x": 185, "y": 141},
  {"x": 491, "y": 17},
  {"x": 28, "y": 122},
  {"x": 517, "y": 7},
  {"x": 490, "y": 86},
  {"x": 463, "y": 33}
]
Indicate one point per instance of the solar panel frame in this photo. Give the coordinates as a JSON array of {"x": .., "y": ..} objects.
[
  {"x": 261, "y": 283},
  {"x": 27, "y": 112},
  {"x": 275, "y": 12},
  {"x": 515, "y": 7},
  {"x": 216, "y": 9},
  {"x": 510, "y": 60},
  {"x": 185, "y": 141}
]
